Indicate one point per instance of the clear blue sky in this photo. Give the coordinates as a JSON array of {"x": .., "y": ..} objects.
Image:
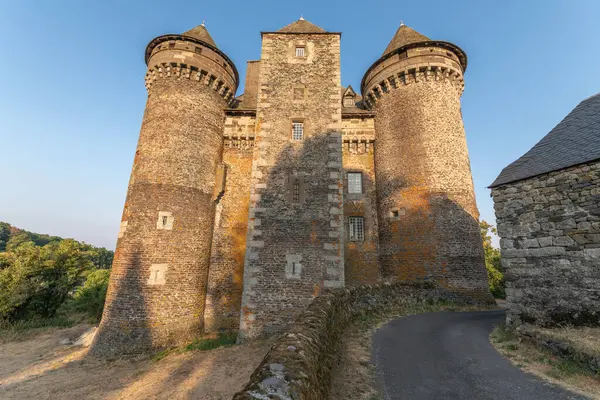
[{"x": 72, "y": 85}]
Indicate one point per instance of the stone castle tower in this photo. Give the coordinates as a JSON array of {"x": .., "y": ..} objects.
[{"x": 241, "y": 210}]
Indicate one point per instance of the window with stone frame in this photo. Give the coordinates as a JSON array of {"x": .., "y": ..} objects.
[
  {"x": 297, "y": 130},
  {"x": 300, "y": 51},
  {"x": 348, "y": 101},
  {"x": 355, "y": 182},
  {"x": 356, "y": 229}
]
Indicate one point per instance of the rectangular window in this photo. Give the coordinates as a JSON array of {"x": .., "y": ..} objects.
[
  {"x": 297, "y": 130},
  {"x": 299, "y": 51},
  {"x": 354, "y": 182},
  {"x": 348, "y": 101},
  {"x": 356, "y": 228}
]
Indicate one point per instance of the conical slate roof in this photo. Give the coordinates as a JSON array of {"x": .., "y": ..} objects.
[
  {"x": 200, "y": 32},
  {"x": 405, "y": 35},
  {"x": 302, "y": 26},
  {"x": 575, "y": 140}
]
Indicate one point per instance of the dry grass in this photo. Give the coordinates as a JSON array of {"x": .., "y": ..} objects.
[
  {"x": 584, "y": 339},
  {"x": 41, "y": 368},
  {"x": 544, "y": 364}
]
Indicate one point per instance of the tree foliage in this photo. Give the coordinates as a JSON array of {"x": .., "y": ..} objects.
[
  {"x": 492, "y": 260},
  {"x": 41, "y": 273}
]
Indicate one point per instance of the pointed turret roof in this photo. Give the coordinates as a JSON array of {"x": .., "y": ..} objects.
[
  {"x": 405, "y": 35},
  {"x": 301, "y": 26},
  {"x": 200, "y": 32}
]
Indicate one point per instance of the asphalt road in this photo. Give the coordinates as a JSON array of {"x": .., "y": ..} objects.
[{"x": 448, "y": 355}]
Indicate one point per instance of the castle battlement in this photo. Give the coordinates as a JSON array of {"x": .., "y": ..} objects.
[{"x": 243, "y": 209}]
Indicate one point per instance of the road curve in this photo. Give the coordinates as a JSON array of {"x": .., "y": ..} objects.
[{"x": 448, "y": 355}]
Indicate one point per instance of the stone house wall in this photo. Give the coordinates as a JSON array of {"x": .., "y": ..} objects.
[{"x": 549, "y": 227}]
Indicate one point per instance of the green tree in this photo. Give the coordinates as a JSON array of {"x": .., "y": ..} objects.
[
  {"x": 17, "y": 240},
  {"x": 492, "y": 260},
  {"x": 39, "y": 279},
  {"x": 4, "y": 235},
  {"x": 89, "y": 298}
]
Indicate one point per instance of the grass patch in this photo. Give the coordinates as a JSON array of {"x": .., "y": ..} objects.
[
  {"x": 25, "y": 329},
  {"x": 210, "y": 344},
  {"x": 223, "y": 340},
  {"x": 544, "y": 364}
]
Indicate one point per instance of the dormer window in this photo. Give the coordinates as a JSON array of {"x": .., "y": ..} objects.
[
  {"x": 348, "y": 101},
  {"x": 300, "y": 51}
]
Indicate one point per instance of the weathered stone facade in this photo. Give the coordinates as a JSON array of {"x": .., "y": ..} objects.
[
  {"x": 240, "y": 210},
  {"x": 549, "y": 227},
  {"x": 428, "y": 218},
  {"x": 294, "y": 246},
  {"x": 157, "y": 288}
]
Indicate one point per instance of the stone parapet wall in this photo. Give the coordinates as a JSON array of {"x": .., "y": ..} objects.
[
  {"x": 549, "y": 227},
  {"x": 299, "y": 365}
]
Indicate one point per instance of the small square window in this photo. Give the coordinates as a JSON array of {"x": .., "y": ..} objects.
[
  {"x": 165, "y": 220},
  {"x": 198, "y": 50},
  {"x": 297, "y": 130},
  {"x": 348, "y": 101},
  {"x": 354, "y": 182},
  {"x": 300, "y": 52},
  {"x": 395, "y": 213},
  {"x": 356, "y": 228},
  {"x": 171, "y": 44}
]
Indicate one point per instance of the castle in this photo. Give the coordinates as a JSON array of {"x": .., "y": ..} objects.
[{"x": 241, "y": 210}]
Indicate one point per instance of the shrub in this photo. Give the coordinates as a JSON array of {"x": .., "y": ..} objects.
[{"x": 89, "y": 298}]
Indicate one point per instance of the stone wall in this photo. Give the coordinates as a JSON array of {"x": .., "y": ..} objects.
[
  {"x": 549, "y": 227},
  {"x": 299, "y": 365},
  {"x": 360, "y": 257},
  {"x": 428, "y": 217},
  {"x": 295, "y": 225},
  {"x": 158, "y": 281},
  {"x": 225, "y": 278}
]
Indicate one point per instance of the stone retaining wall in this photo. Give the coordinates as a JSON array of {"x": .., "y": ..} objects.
[
  {"x": 562, "y": 348},
  {"x": 299, "y": 365}
]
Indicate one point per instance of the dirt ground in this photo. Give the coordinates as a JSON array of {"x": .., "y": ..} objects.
[
  {"x": 42, "y": 368},
  {"x": 354, "y": 375}
]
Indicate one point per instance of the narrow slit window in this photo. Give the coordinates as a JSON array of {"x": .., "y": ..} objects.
[
  {"x": 300, "y": 52},
  {"x": 355, "y": 182},
  {"x": 296, "y": 191},
  {"x": 356, "y": 229},
  {"x": 165, "y": 219},
  {"x": 297, "y": 130}
]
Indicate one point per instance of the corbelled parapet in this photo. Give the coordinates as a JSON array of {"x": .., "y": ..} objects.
[
  {"x": 194, "y": 56},
  {"x": 413, "y": 58},
  {"x": 428, "y": 218},
  {"x": 157, "y": 290}
]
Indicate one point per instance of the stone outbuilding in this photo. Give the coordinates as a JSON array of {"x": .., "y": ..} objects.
[{"x": 547, "y": 207}]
